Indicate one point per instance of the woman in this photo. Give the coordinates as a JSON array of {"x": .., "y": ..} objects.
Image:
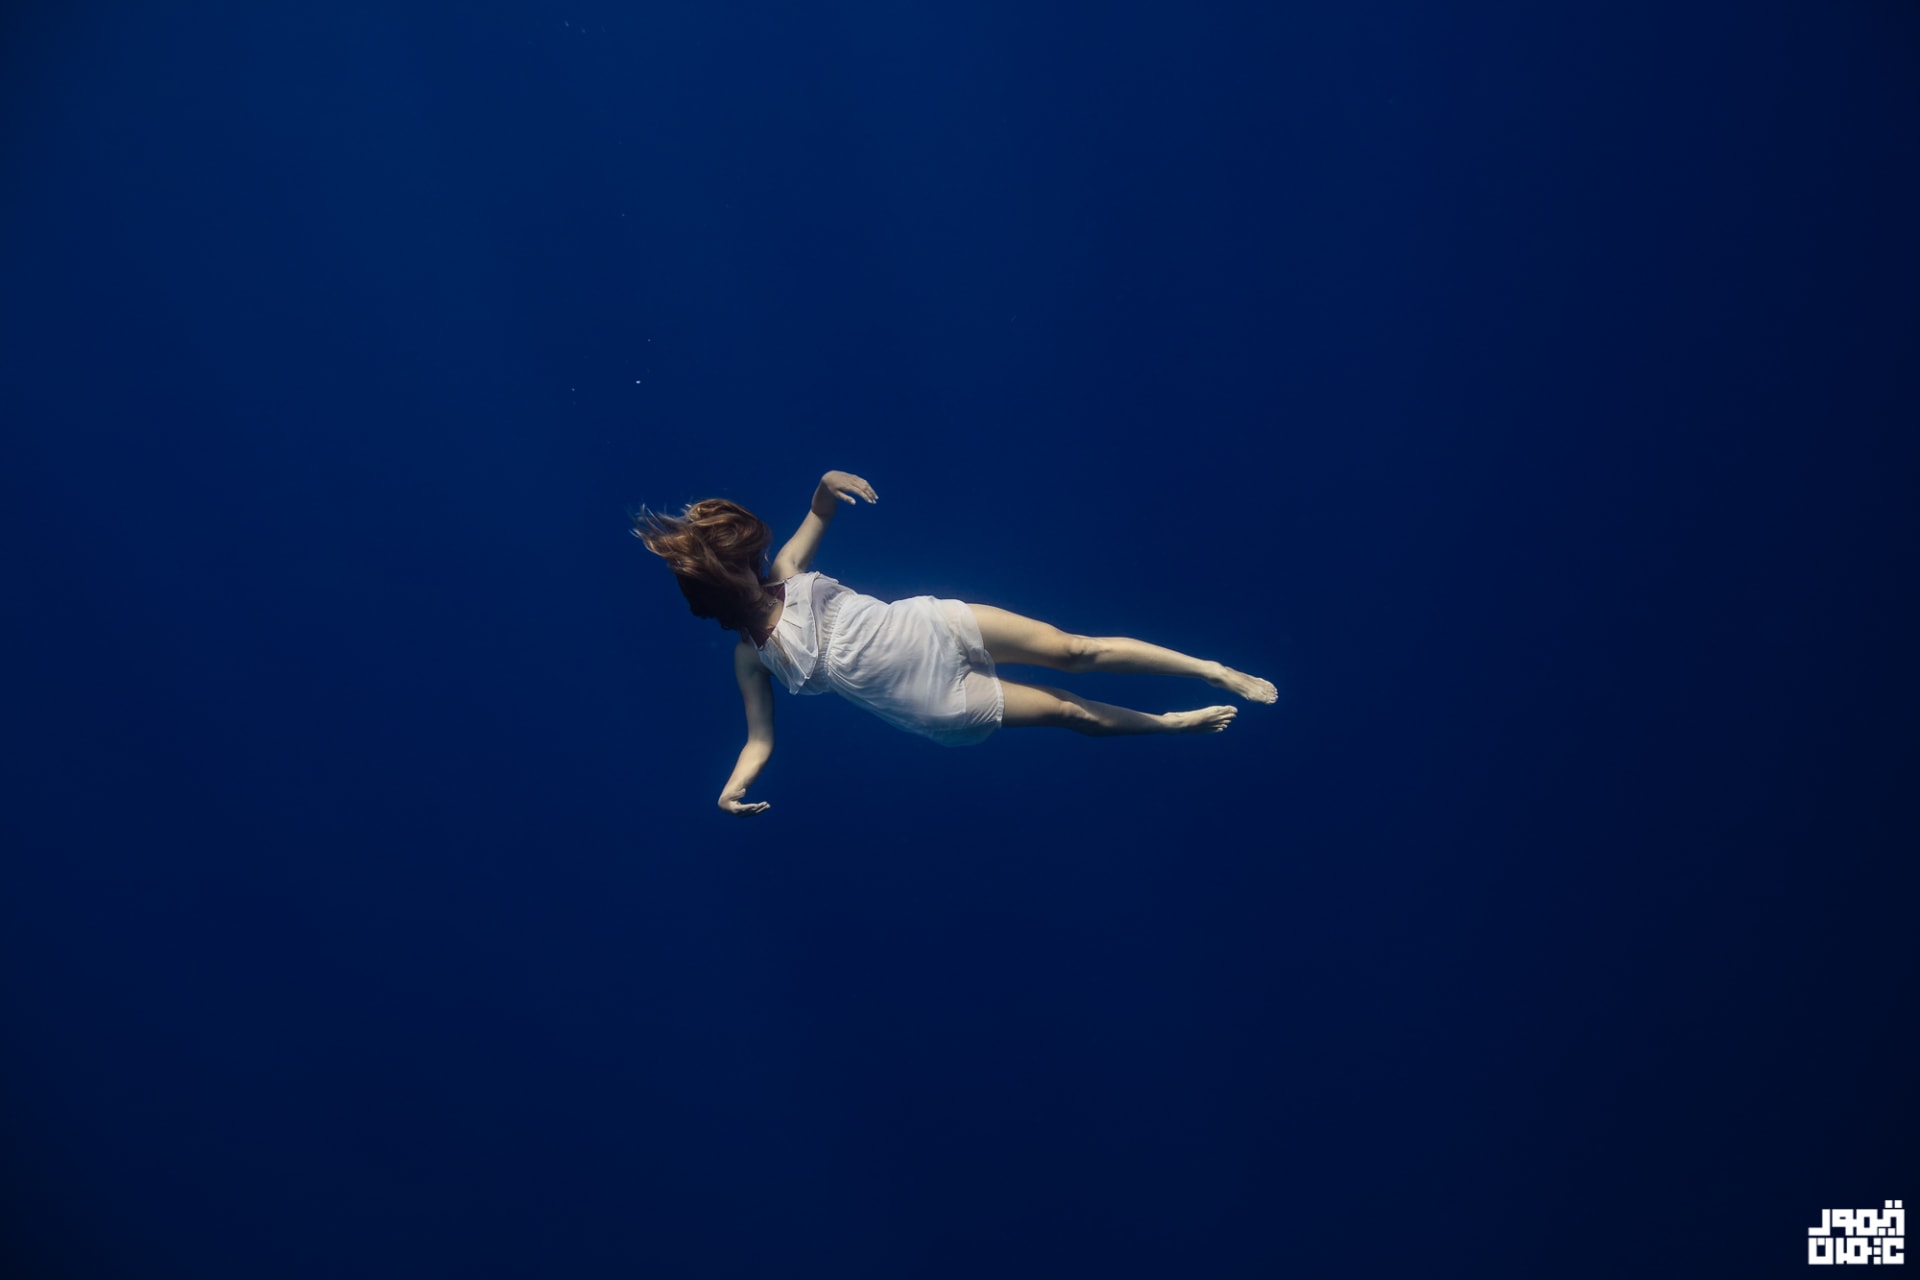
[{"x": 923, "y": 664}]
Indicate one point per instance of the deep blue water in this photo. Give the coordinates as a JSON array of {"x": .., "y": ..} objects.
[{"x": 1530, "y": 394}]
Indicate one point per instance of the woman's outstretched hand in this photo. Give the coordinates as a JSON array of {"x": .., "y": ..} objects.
[
  {"x": 848, "y": 487},
  {"x": 740, "y": 807}
]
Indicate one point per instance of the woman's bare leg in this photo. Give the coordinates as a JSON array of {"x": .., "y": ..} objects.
[
  {"x": 1009, "y": 637},
  {"x": 1028, "y": 706}
]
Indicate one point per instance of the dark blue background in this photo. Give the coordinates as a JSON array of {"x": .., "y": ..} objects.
[{"x": 1530, "y": 394}]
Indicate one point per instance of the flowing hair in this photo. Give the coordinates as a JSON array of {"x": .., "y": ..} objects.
[{"x": 714, "y": 548}]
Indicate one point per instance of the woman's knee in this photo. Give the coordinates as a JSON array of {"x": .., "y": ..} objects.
[
  {"x": 1070, "y": 711},
  {"x": 1080, "y": 653}
]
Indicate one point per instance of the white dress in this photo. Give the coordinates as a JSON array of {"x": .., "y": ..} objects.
[{"x": 918, "y": 664}]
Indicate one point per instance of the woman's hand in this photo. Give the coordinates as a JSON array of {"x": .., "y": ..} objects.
[
  {"x": 847, "y": 487},
  {"x": 735, "y": 805}
]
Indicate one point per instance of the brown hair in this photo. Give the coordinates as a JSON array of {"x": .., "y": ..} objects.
[{"x": 714, "y": 548}]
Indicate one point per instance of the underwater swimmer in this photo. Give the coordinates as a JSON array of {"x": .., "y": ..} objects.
[{"x": 922, "y": 664}]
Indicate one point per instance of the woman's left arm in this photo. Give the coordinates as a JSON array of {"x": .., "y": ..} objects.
[
  {"x": 757, "y": 692},
  {"x": 835, "y": 487}
]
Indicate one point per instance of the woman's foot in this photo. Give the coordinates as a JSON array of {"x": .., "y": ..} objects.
[
  {"x": 1205, "y": 720},
  {"x": 1252, "y": 688}
]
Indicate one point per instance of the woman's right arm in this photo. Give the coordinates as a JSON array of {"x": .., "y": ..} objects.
[
  {"x": 835, "y": 488},
  {"x": 756, "y": 689}
]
